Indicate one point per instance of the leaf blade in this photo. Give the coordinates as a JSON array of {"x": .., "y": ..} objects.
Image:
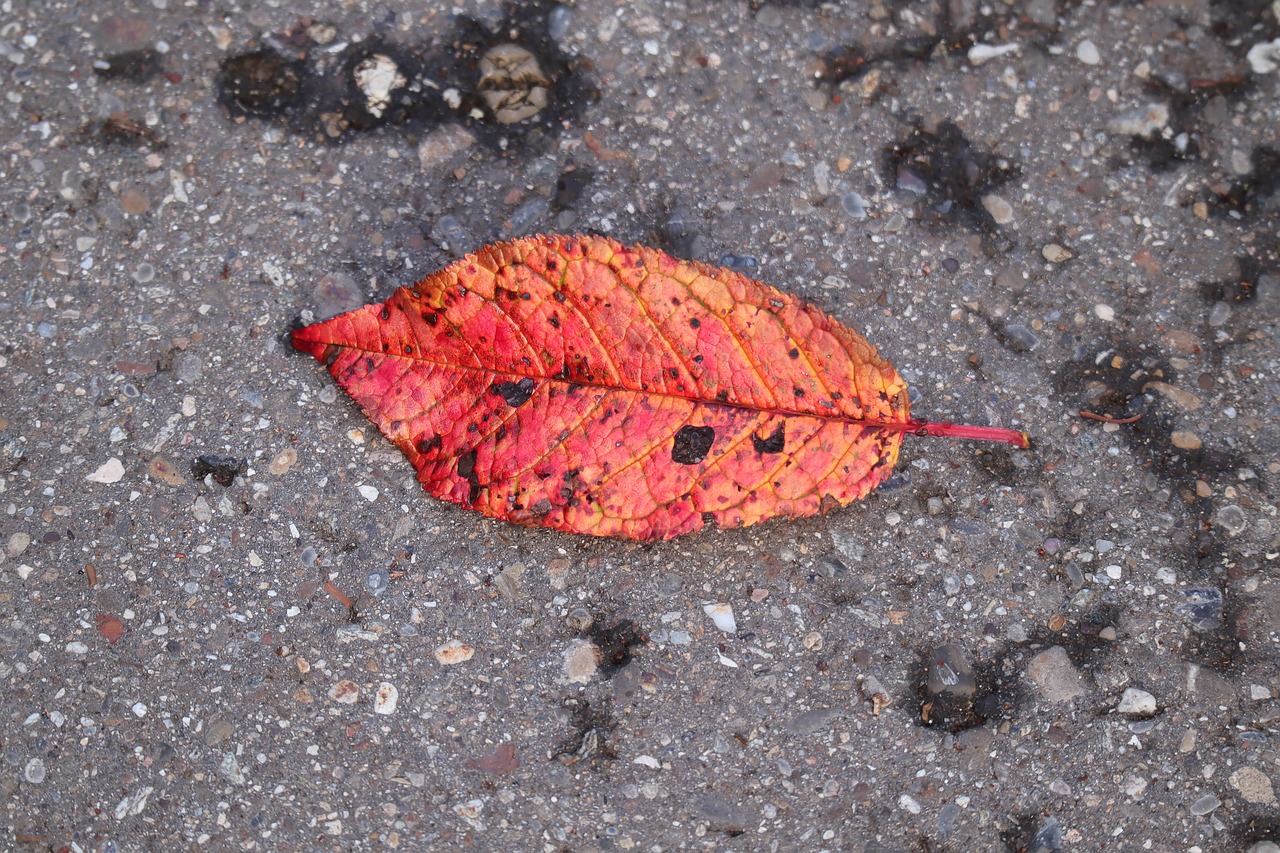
[{"x": 579, "y": 331}]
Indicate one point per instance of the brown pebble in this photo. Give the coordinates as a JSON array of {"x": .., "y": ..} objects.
[
  {"x": 165, "y": 471},
  {"x": 1185, "y": 440},
  {"x": 1203, "y": 489},
  {"x": 134, "y": 201},
  {"x": 283, "y": 461}
]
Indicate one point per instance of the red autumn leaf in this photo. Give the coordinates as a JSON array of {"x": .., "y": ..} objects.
[{"x": 574, "y": 383}]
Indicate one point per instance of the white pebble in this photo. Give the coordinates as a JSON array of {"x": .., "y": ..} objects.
[
  {"x": 722, "y": 615},
  {"x": 1104, "y": 312},
  {"x": 1113, "y": 572},
  {"x": 908, "y": 802},
  {"x": 1135, "y": 702},
  {"x": 454, "y": 652},
  {"x": 1087, "y": 52},
  {"x": 1264, "y": 57},
  {"x": 385, "y": 698},
  {"x": 139, "y": 709},
  {"x": 369, "y": 493},
  {"x": 982, "y": 53},
  {"x": 111, "y": 471},
  {"x": 76, "y": 647}
]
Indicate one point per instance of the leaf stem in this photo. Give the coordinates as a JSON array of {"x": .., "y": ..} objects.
[{"x": 944, "y": 429}]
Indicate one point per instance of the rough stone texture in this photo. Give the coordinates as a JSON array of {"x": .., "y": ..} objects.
[{"x": 1056, "y": 678}]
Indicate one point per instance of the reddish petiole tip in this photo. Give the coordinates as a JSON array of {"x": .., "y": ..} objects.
[{"x": 972, "y": 433}]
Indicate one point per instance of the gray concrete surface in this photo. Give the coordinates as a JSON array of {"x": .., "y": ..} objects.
[{"x": 211, "y": 565}]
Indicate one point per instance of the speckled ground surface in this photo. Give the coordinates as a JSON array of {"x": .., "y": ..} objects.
[{"x": 230, "y": 618}]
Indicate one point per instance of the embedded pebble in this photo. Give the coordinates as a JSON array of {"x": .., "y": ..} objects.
[
  {"x": 1055, "y": 676},
  {"x": 948, "y": 673},
  {"x": 854, "y": 205},
  {"x": 34, "y": 772},
  {"x": 1055, "y": 254},
  {"x": 722, "y": 615},
  {"x": 981, "y": 54},
  {"x": 1001, "y": 211},
  {"x": 439, "y": 146},
  {"x": 1144, "y": 121},
  {"x": 76, "y": 647},
  {"x": 1232, "y": 519},
  {"x": 1136, "y": 703},
  {"x": 345, "y": 692},
  {"x": 1205, "y": 805},
  {"x": 909, "y": 803},
  {"x": 1219, "y": 314},
  {"x": 1104, "y": 312},
  {"x": 1202, "y": 608},
  {"x": 283, "y": 461},
  {"x": 454, "y": 652},
  {"x": 1185, "y": 440},
  {"x": 1087, "y": 52},
  {"x": 1254, "y": 786},
  {"x": 111, "y": 471},
  {"x": 369, "y": 493},
  {"x": 385, "y": 698},
  {"x": 336, "y": 293},
  {"x": 581, "y": 659},
  {"x": 1019, "y": 338},
  {"x": 1264, "y": 57}
]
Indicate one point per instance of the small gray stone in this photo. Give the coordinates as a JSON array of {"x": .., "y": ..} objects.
[
  {"x": 34, "y": 772},
  {"x": 1232, "y": 519},
  {"x": 1205, "y": 805},
  {"x": 1019, "y": 338},
  {"x": 948, "y": 673}
]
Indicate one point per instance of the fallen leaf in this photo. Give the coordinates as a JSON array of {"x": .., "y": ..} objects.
[{"x": 574, "y": 383}]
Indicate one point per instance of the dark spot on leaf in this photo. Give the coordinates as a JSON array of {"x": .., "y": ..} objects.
[
  {"x": 794, "y": 353},
  {"x": 695, "y": 322},
  {"x": 515, "y": 393},
  {"x": 431, "y": 319},
  {"x": 555, "y": 322},
  {"x": 426, "y": 445},
  {"x": 675, "y": 374},
  {"x": 773, "y": 444},
  {"x": 408, "y": 350},
  {"x": 697, "y": 359},
  {"x": 467, "y": 465},
  {"x": 722, "y": 396},
  {"x": 551, "y": 264},
  {"x": 385, "y": 313},
  {"x": 692, "y": 444},
  {"x": 799, "y": 392},
  {"x": 559, "y": 296}
]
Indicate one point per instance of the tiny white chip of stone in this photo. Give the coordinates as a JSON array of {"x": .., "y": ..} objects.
[
  {"x": 369, "y": 493},
  {"x": 1087, "y": 52},
  {"x": 722, "y": 615},
  {"x": 111, "y": 471},
  {"x": 1103, "y": 312},
  {"x": 386, "y": 698}
]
